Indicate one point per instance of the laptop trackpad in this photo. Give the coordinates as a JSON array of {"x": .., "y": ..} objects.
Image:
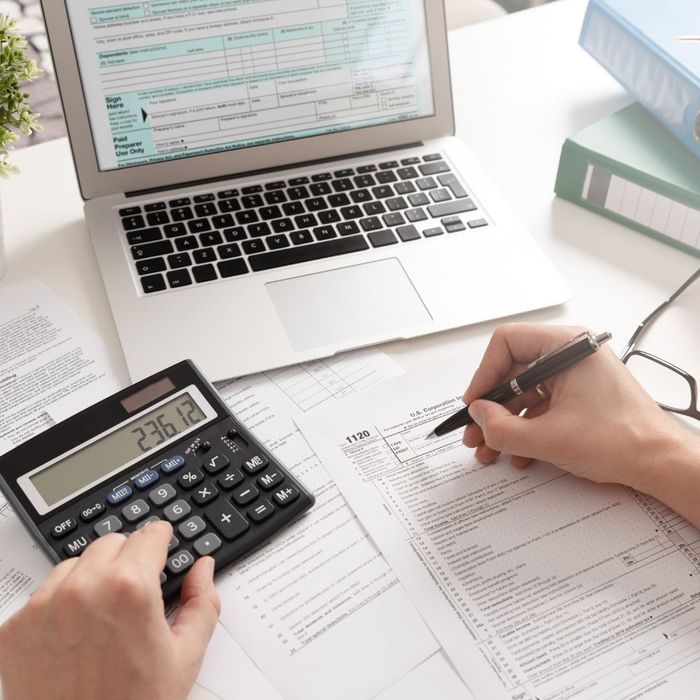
[{"x": 350, "y": 304}]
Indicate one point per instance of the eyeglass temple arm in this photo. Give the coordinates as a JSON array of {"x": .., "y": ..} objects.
[{"x": 650, "y": 318}]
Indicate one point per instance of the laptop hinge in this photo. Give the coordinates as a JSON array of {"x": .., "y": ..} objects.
[{"x": 266, "y": 171}]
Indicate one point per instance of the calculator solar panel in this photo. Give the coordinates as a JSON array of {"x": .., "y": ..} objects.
[{"x": 166, "y": 448}]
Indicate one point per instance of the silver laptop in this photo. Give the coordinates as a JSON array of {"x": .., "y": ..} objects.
[{"x": 273, "y": 181}]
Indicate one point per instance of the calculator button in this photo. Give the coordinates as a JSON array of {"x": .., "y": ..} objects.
[
  {"x": 162, "y": 495},
  {"x": 227, "y": 521},
  {"x": 285, "y": 496},
  {"x": 245, "y": 495},
  {"x": 270, "y": 479},
  {"x": 119, "y": 495},
  {"x": 192, "y": 527},
  {"x": 232, "y": 434},
  {"x": 190, "y": 478},
  {"x": 163, "y": 578},
  {"x": 135, "y": 511},
  {"x": 207, "y": 544},
  {"x": 111, "y": 524},
  {"x": 205, "y": 494},
  {"x": 173, "y": 544},
  {"x": 145, "y": 480},
  {"x": 177, "y": 511},
  {"x": 261, "y": 511},
  {"x": 179, "y": 562},
  {"x": 148, "y": 521},
  {"x": 230, "y": 479},
  {"x": 204, "y": 447},
  {"x": 72, "y": 549},
  {"x": 92, "y": 512},
  {"x": 172, "y": 464},
  {"x": 65, "y": 527},
  {"x": 215, "y": 464},
  {"x": 255, "y": 464}
]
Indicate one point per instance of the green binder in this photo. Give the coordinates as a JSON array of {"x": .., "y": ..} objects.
[{"x": 629, "y": 168}]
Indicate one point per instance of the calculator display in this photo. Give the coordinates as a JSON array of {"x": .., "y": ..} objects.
[{"x": 122, "y": 446}]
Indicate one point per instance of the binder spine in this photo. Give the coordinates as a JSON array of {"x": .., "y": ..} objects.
[{"x": 657, "y": 81}]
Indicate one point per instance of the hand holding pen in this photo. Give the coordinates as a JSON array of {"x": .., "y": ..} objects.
[{"x": 594, "y": 419}]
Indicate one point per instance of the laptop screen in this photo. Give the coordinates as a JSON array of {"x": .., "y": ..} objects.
[{"x": 171, "y": 79}]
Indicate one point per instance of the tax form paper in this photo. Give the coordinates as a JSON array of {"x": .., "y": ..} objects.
[{"x": 538, "y": 584}]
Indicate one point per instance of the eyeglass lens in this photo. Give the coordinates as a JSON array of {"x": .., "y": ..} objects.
[{"x": 665, "y": 385}]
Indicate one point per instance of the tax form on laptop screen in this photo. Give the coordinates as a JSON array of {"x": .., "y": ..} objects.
[{"x": 259, "y": 72}]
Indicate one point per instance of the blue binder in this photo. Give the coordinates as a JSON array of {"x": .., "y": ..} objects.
[{"x": 652, "y": 47}]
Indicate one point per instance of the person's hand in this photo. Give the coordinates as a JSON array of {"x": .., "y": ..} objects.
[
  {"x": 595, "y": 420},
  {"x": 96, "y": 627}
]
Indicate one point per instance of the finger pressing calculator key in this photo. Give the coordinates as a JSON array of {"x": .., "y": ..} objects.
[{"x": 167, "y": 448}]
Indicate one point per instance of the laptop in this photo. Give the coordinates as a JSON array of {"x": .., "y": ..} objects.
[{"x": 269, "y": 182}]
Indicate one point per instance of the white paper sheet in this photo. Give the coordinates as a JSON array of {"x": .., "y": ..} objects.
[
  {"x": 318, "y": 609},
  {"x": 538, "y": 584},
  {"x": 46, "y": 355}
]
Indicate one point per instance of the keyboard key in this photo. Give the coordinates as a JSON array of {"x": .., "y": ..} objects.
[
  {"x": 192, "y": 528},
  {"x": 186, "y": 243},
  {"x": 245, "y": 494},
  {"x": 233, "y": 235},
  {"x": 414, "y": 215},
  {"x": 207, "y": 209},
  {"x": 247, "y": 216},
  {"x": 367, "y": 168},
  {"x": 282, "y": 226},
  {"x": 129, "y": 223},
  {"x": 329, "y": 216},
  {"x": 396, "y": 204},
  {"x": 269, "y": 213},
  {"x": 182, "y": 214},
  {"x": 252, "y": 189},
  {"x": 306, "y": 253},
  {"x": 130, "y": 211},
  {"x": 285, "y": 496},
  {"x": 204, "y": 255},
  {"x": 276, "y": 197},
  {"x": 374, "y": 208},
  {"x": 229, "y": 205},
  {"x": 179, "y": 260},
  {"x": 174, "y": 230},
  {"x": 204, "y": 273},
  {"x": 338, "y": 200},
  {"x": 230, "y": 479},
  {"x": 211, "y": 238},
  {"x": 388, "y": 165},
  {"x": 306, "y": 221},
  {"x": 146, "y": 235},
  {"x": 393, "y": 219},
  {"x": 110, "y": 524},
  {"x": 454, "y": 184},
  {"x": 360, "y": 196},
  {"x": 432, "y": 157},
  {"x": 177, "y": 511},
  {"x": 275, "y": 185},
  {"x": 153, "y": 283},
  {"x": 426, "y": 183},
  {"x": 407, "y": 173},
  {"x": 298, "y": 193},
  {"x": 316, "y": 204},
  {"x": 135, "y": 511},
  {"x": 438, "y": 166},
  {"x": 151, "y": 250},
  {"x": 156, "y": 206},
  {"x": 410, "y": 161},
  {"x": 405, "y": 188},
  {"x": 261, "y": 511},
  {"x": 364, "y": 181},
  {"x": 207, "y": 545},
  {"x": 382, "y": 238},
  {"x": 232, "y": 268},
  {"x": 158, "y": 218},
  {"x": 277, "y": 241},
  {"x": 320, "y": 177},
  {"x": 226, "y": 520},
  {"x": 371, "y": 224},
  {"x": 252, "y": 201},
  {"x": 385, "y": 177},
  {"x": 179, "y": 278},
  {"x": 347, "y": 228},
  {"x": 420, "y": 199},
  {"x": 205, "y": 494},
  {"x": 382, "y": 192},
  {"x": 477, "y": 223},
  {"x": 301, "y": 237},
  {"x": 227, "y": 194},
  {"x": 179, "y": 562},
  {"x": 296, "y": 181},
  {"x": 431, "y": 232},
  {"x": 441, "y": 195},
  {"x": 162, "y": 495},
  {"x": 260, "y": 229},
  {"x": 180, "y": 202},
  {"x": 215, "y": 463},
  {"x": 223, "y": 221},
  {"x": 190, "y": 478},
  {"x": 408, "y": 233},
  {"x": 342, "y": 185},
  {"x": 255, "y": 246},
  {"x": 456, "y": 206},
  {"x": 324, "y": 233},
  {"x": 352, "y": 212},
  {"x": 148, "y": 267},
  {"x": 453, "y": 224},
  {"x": 199, "y": 225},
  {"x": 203, "y": 198},
  {"x": 229, "y": 250}
]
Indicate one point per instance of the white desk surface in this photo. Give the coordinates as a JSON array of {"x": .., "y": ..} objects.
[{"x": 521, "y": 85}]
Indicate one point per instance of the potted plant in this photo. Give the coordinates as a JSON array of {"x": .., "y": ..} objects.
[{"x": 16, "y": 116}]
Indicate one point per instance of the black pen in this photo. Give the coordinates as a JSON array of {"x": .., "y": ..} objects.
[{"x": 540, "y": 370}]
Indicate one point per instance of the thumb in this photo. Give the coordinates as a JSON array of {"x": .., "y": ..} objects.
[
  {"x": 505, "y": 432},
  {"x": 196, "y": 620}
]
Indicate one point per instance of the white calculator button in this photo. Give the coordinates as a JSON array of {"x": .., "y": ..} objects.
[
  {"x": 111, "y": 524},
  {"x": 135, "y": 511},
  {"x": 177, "y": 511}
]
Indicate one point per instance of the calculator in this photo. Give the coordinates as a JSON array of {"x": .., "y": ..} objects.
[{"x": 166, "y": 448}]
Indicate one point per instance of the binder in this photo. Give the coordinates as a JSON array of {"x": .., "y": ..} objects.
[
  {"x": 630, "y": 169},
  {"x": 652, "y": 47}
]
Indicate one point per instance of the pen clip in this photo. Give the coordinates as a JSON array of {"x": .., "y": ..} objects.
[{"x": 556, "y": 351}]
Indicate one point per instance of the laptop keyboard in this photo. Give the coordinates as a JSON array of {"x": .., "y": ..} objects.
[{"x": 193, "y": 240}]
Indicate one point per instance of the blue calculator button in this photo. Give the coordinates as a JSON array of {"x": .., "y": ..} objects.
[
  {"x": 172, "y": 464},
  {"x": 146, "y": 480},
  {"x": 119, "y": 495}
]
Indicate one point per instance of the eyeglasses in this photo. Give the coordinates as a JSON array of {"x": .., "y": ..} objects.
[{"x": 671, "y": 387}]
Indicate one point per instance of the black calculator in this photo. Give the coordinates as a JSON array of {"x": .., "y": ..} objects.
[{"x": 166, "y": 448}]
